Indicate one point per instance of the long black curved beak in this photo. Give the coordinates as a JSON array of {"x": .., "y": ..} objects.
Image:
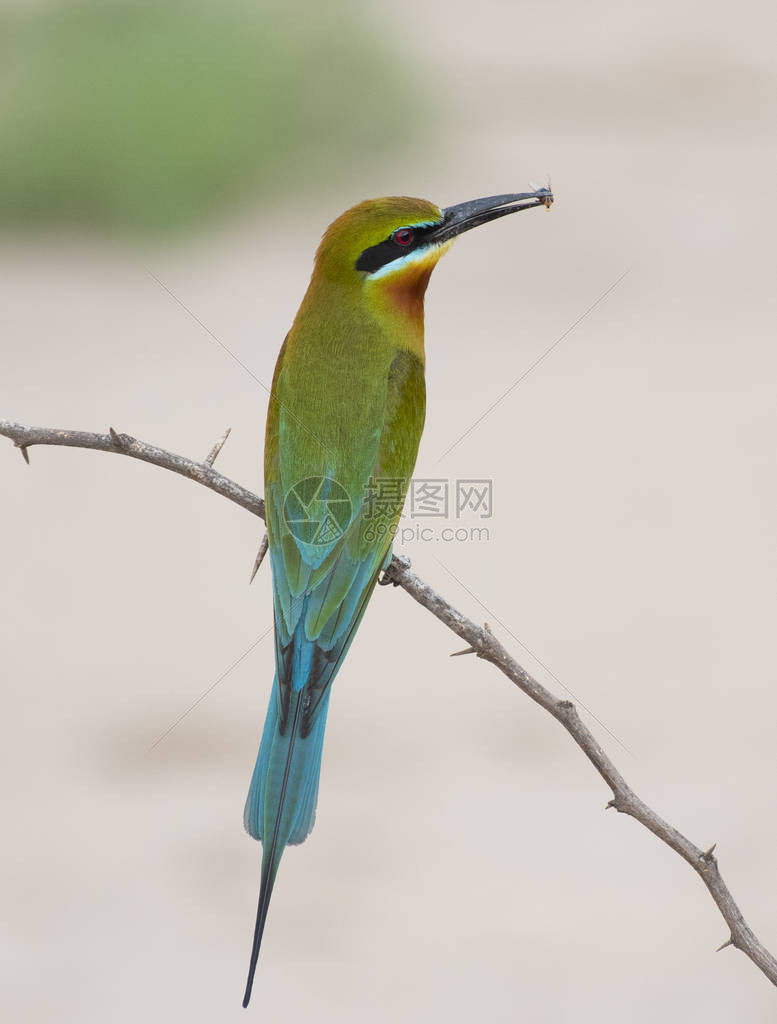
[{"x": 460, "y": 218}]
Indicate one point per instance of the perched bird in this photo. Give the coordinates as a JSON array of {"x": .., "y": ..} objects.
[{"x": 344, "y": 423}]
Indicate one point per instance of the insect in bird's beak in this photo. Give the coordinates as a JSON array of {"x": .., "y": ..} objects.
[{"x": 546, "y": 188}]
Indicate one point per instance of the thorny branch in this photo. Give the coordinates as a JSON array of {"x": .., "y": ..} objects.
[
  {"x": 481, "y": 642},
  {"x": 203, "y": 472}
]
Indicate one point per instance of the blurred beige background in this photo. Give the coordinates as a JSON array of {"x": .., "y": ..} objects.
[{"x": 462, "y": 865}]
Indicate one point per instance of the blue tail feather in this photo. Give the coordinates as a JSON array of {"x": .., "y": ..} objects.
[
  {"x": 254, "y": 808},
  {"x": 305, "y": 815},
  {"x": 302, "y": 786},
  {"x": 281, "y": 805}
]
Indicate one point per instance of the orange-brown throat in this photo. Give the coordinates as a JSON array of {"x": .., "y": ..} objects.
[{"x": 406, "y": 291}]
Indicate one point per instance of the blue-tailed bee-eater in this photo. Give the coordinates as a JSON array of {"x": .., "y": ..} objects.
[{"x": 346, "y": 412}]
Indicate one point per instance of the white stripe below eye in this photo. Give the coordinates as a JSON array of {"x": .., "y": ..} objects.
[{"x": 412, "y": 257}]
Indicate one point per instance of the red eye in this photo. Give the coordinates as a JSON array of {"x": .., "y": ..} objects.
[{"x": 403, "y": 236}]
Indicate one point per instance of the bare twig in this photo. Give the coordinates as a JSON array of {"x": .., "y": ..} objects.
[
  {"x": 213, "y": 454},
  {"x": 25, "y": 437},
  {"x": 481, "y": 642},
  {"x": 624, "y": 799}
]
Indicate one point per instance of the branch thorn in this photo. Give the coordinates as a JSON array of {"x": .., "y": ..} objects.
[
  {"x": 116, "y": 438},
  {"x": 23, "y": 449},
  {"x": 467, "y": 650},
  {"x": 728, "y": 942},
  {"x": 213, "y": 454},
  {"x": 260, "y": 554}
]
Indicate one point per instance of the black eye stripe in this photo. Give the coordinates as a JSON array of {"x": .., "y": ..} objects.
[{"x": 390, "y": 249}]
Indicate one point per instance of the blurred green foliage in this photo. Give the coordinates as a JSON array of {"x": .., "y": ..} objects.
[{"x": 144, "y": 115}]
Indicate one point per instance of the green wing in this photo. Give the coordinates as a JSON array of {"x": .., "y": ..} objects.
[{"x": 330, "y": 532}]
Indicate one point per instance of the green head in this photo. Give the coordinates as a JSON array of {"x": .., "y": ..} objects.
[{"x": 398, "y": 239}]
